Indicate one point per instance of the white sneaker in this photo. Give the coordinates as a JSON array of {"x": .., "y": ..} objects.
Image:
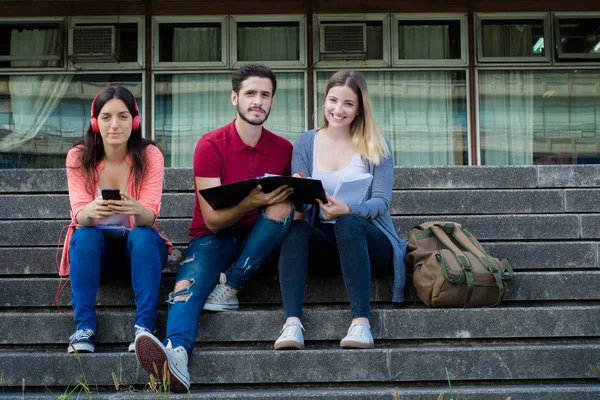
[
  {"x": 291, "y": 337},
  {"x": 358, "y": 337},
  {"x": 152, "y": 356},
  {"x": 223, "y": 297},
  {"x": 138, "y": 330}
]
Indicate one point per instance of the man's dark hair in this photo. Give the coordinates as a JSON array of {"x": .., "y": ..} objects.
[{"x": 249, "y": 70}]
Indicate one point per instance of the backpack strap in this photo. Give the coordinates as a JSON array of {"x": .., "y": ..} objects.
[
  {"x": 463, "y": 261},
  {"x": 488, "y": 262}
]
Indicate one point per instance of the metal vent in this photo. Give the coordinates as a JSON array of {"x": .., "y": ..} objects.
[
  {"x": 94, "y": 44},
  {"x": 343, "y": 40}
]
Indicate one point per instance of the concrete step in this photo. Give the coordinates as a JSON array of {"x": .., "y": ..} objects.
[
  {"x": 408, "y": 323},
  {"x": 523, "y": 256},
  {"x": 345, "y": 392},
  {"x": 406, "y": 364},
  {"x": 560, "y": 227},
  {"x": 409, "y": 202},
  {"x": 467, "y": 177},
  {"x": 526, "y": 286}
]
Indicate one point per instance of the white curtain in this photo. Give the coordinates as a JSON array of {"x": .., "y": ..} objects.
[
  {"x": 287, "y": 114},
  {"x": 506, "y": 117},
  {"x": 196, "y": 44},
  {"x": 200, "y": 104},
  {"x": 415, "y": 111},
  {"x": 33, "y": 97},
  {"x": 423, "y": 42},
  {"x": 507, "y": 41},
  {"x": 269, "y": 43}
]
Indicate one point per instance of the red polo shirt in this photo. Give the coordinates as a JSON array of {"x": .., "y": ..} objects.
[{"x": 222, "y": 154}]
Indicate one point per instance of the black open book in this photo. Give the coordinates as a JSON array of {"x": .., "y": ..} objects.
[{"x": 306, "y": 190}]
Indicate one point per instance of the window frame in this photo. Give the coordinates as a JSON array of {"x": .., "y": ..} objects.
[
  {"x": 181, "y": 72},
  {"x": 62, "y": 21},
  {"x": 460, "y": 17},
  {"x": 350, "y": 18},
  {"x": 510, "y": 68},
  {"x": 233, "y": 45},
  {"x": 137, "y": 19},
  {"x": 530, "y": 61},
  {"x": 160, "y": 65},
  {"x": 562, "y": 58},
  {"x": 317, "y": 102}
]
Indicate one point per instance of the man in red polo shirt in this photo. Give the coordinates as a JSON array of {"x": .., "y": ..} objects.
[{"x": 228, "y": 245}]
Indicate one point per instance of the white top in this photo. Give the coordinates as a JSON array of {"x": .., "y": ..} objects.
[{"x": 330, "y": 179}]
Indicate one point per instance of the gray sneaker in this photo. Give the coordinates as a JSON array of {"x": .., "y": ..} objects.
[
  {"x": 359, "y": 337},
  {"x": 223, "y": 297},
  {"x": 152, "y": 355}
]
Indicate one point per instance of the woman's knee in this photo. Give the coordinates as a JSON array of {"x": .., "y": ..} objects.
[
  {"x": 88, "y": 236},
  {"x": 300, "y": 229},
  {"x": 141, "y": 234},
  {"x": 348, "y": 222}
]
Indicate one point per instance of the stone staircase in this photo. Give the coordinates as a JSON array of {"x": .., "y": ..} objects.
[{"x": 542, "y": 343}]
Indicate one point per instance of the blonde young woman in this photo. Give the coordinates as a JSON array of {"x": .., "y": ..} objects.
[{"x": 358, "y": 238}]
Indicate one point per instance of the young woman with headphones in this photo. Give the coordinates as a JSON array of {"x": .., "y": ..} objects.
[{"x": 113, "y": 238}]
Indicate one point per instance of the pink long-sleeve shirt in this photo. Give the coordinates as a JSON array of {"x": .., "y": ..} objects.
[{"x": 150, "y": 193}]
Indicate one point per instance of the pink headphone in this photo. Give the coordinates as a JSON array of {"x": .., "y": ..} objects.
[{"x": 94, "y": 121}]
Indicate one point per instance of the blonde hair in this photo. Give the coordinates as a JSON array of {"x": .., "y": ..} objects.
[{"x": 366, "y": 137}]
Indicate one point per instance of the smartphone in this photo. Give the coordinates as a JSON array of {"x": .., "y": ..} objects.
[{"x": 111, "y": 194}]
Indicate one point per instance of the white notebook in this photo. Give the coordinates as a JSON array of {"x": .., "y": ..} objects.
[{"x": 352, "y": 190}]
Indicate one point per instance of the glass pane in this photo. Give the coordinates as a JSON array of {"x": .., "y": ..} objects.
[
  {"x": 41, "y": 116},
  {"x": 422, "y": 113},
  {"x": 580, "y": 36},
  {"x": 31, "y": 45},
  {"x": 275, "y": 41},
  {"x": 190, "y": 105},
  {"x": 510, "y": 38},
  {"x": 539, "y": 117},
  {"x": 127, "y": 40},
  {"x": 189, "y": 42},
  {"x": 428, "y": 40}
]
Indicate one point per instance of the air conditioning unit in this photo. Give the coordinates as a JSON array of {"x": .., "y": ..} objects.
[
  {"x": 347, "y": 41},
  {"x": 94, "y": 44}
]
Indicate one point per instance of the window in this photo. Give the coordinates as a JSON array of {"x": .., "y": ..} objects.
[
  {"x": 106, "y": 43},
  {"x": 513, "y": 38},
  {"x": 539, "y": 117},
  {"x": 429, "y": 39},
  {"x": 577, "y": 37},
  {"x": 41, "y": 116},
  {"x": 188, "y": 105},
  {"x": 190, "y": 42},
  {"x": 351, "y": 40},
  {"x": 422, "y": 113},
  {"x": 278, "y": 41},
  {"x": 34, "y": 43}
]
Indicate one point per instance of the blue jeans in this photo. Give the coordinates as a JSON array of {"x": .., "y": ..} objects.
[
  {"x": 137, "y": 258},
  {"x": 238, "y": 252},
  {"x": 352, "y": 243}
]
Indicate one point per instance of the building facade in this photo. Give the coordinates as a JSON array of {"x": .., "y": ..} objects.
[{"x": 463, "y": 82}]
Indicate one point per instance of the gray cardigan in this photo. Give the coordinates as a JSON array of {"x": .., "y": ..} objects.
[{"x": 375, "y": 209}]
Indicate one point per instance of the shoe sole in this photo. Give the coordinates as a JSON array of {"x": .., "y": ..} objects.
[
  {"x": 150, "y": 352},
  {"x": 354, "y": 344},
  {"x": 85, "y": 348},
  {"x": 220, "y": 307},
  {"x": 288, "y": 345}
]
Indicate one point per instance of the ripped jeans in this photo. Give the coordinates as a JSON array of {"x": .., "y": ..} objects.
[{"x": 238, "y": 252}]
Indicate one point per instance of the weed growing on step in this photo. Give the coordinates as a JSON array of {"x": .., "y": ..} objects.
[{"x": 441, "y": 396}]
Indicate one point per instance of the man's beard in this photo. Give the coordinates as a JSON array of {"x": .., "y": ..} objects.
[{"x": 245, "y": 118}]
